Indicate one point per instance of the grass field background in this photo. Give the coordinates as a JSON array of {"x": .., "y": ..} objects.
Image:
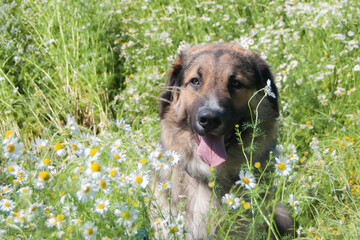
[{"x": 79, "y": 128}]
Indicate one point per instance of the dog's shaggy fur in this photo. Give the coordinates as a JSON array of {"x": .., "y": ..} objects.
[{"x": 206, "y": 95}]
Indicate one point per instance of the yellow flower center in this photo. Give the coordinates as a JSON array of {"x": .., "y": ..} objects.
[
  {"x": 164, "y": 185},
  {"x": 121, "y": 126},
  {"x": 103, "y": 184},
  {"x": 7, "y": 204},
  {"x": 174, "y": 229},
  {"x": 11, "y": 148},
  {"x": 246, "y": 205},
  {"x": 95, "y": 167},
  {"x": 143, "y": 160},
  {"x": 8, "y": 133},
  {"x": 113, "y": 172},
  {"x": 229, "y": 200},
  {"x": 116, "y": 156},
  {"x": 40, "y": 146},
  {"x": 58, "y": 146},
  {"x": 93, "y": 151},
  {"x": 46, "y": 161},
  {"x": 101, "y": 206},
  {"x": 25, "y": 190},
  {"x": 245, "y": 180},
  {"x": 281, "y": 166},
  {"x": 44, "y": 176},
  {"x": 257, "y": 164},
  {"x": 60, "y": 217},
  {"x": 90, "y": 231},
  {"x": 126, "y": 215},
  {"x": 74, "y": 146},
  {"x": 87, "y": 189},
  {"x": 138, "y": 179},
  {"x": 10, "y": 168}
]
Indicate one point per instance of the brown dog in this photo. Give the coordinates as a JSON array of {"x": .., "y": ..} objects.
[{"x": 206, "y": 95}]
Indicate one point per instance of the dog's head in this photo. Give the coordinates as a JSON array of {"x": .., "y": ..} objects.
[{"x": 209, "y": 87}]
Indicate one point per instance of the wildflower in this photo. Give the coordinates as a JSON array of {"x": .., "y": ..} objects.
[
  {"x": 118, "y": 155},
  {"x": 92, "y": 154},
  {"x": 50, "y": 221},
  {"x": 94, "y": 170},
  {"x": 39, "y": 143},
  {"x": 116, "y": 145},
  {"x": 164, "y": 186},
  {"x": 127, "y": 216},
  {"x": 8, "y": 135},
  {"x": 7, "y": 205},
  {"x": 283, "y": 166},
  {"x": 77, "y": 147},
  {"x": 71, "y": 124},
  {"x": 294, "y": 204},
  {"x": 59, "y": 149},
  {"x": 120, "y": 123},
  {"x": 101, "y": 125},
  {"x": 90, "y": 230},
  {"x": 12, "y": 149},
  {"x": 314, "y": 144},
  {"x": 101, "y": 206},
  {"x": 86, "y": 192},
  {"x": 140, "y": 179},
  {"x": 268, "y": 91},
  {"x": 231, "y": 201},
  {"x": 247, "y": 180},
  {"x": 357, "y": 68},
  {"x": 322, "y": 99},
  {"x": 102, "y": 184}
]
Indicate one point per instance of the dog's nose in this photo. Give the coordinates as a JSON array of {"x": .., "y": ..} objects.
[{"x": 209, "y": 118}]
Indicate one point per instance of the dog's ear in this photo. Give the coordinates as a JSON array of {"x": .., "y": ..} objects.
[
  {"x": 173, "y": 83},
  {"x": 263, "y": 74}
]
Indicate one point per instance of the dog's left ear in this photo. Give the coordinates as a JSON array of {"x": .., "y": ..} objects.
[
  {"x": 173, "y": 83},
  {"x": 263, "y": 74}
]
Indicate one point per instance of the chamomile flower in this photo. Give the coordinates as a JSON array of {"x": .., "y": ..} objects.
[
  {"x": 101, "y": 206},
  {"x": 117, "y": 155},
  {"x": 39, "y": 143},
  {"x": 13, "y": 149},
  {"x": 72, "y": 124},
  {"x": 140, "y": 179},
  {"x": 59, "y": 149},
  {"x": 86, "y": 192},
  {"x": 90, "y": 230},
  {"x": 268, "y": 91},
  {"x": 164, "y": 186},
  {"x": 116, "y": 145},
  {"x": 7, "y": 205},
  {"x": 42, "y": 178},
  {"x": 127, "y": 215},
  {"x": 231, "y": 201},
  {"x": 283, "y": 166},
  {"x": 356, "y": 68},
  {"x": 314, "y": 144},
  {"x": 247, "y": 180},
  {"x": 121, "y": 124},
  {"x": 8, "y": 135},
  {"x": 93, "y": 170},
  {"x": 102, "y": 184},
  {"x": 77, "y": 147},
  {"x": 294, "y": 204}
]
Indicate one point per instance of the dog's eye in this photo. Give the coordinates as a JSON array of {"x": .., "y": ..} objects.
[
  {"x": 234, "y": 84},
  {"x": 195, "y": 82}
]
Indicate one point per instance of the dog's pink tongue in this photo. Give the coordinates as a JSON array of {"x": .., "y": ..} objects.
[{"x": 212, "y": 149}]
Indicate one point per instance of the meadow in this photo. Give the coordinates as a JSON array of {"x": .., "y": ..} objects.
[{"x": 79, "y": 125}]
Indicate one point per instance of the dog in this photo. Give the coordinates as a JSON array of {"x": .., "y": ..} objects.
[{"x": 206, "y": 94}]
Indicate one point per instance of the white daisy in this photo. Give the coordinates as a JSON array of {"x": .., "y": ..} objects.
[
  {"x": 247, "y": 180},
  {"x": 90, "y": 230},
  {"x": 231, "y": 201},
  {"x": 283, "y": 166},
  {"x": 101, "y": 206},
  {"x": 7, "y": 205}
]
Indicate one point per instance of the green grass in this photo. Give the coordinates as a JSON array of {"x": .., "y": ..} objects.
[{"x": 102, "y": 61}]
